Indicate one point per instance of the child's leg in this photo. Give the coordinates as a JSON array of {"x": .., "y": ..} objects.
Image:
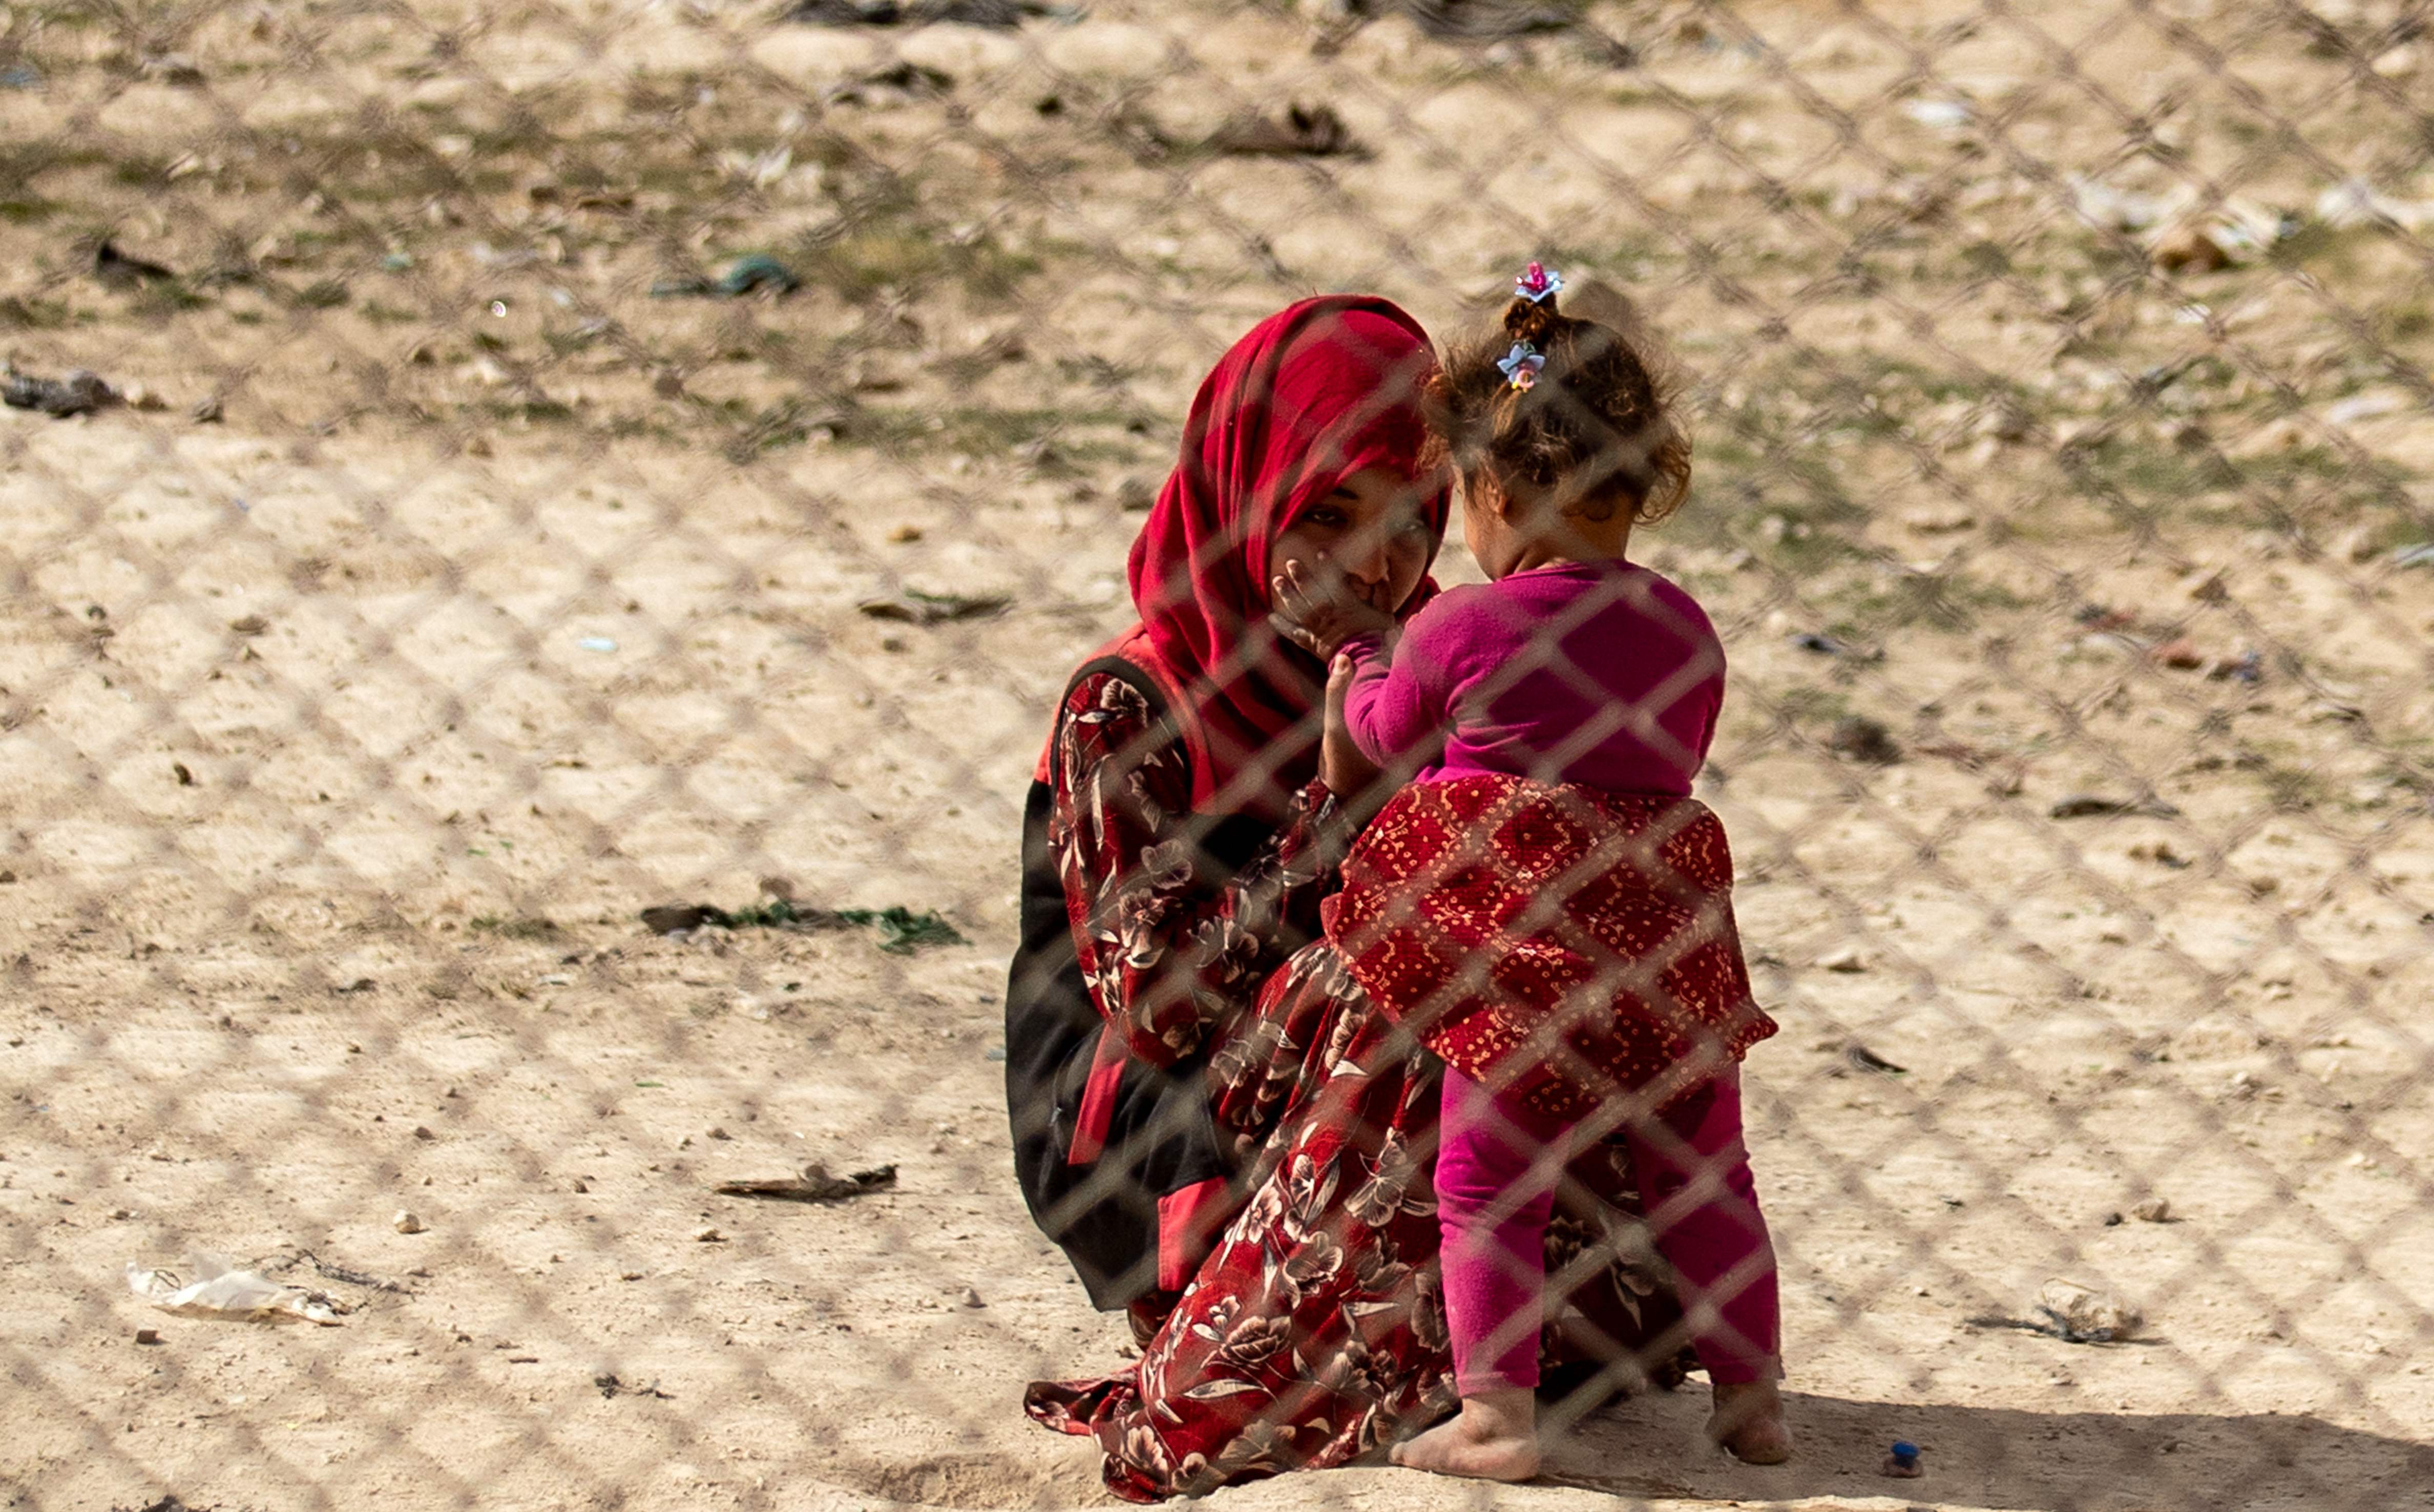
[
  {"x": 1496, "y": 1177},
  {"x": 1694, "y": 1183}
]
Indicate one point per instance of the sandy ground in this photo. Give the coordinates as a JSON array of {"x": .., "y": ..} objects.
[{"x": 341, "y": 740}]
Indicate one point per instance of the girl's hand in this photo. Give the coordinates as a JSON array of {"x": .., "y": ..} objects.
[
  {"x": 1320, "y": 620},
  {"x": 1341, "y": 766}
]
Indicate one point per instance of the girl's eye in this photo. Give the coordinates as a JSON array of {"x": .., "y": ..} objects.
[{"x": 1326, "y": 515}]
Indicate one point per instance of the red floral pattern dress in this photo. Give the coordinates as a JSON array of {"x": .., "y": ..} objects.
[{"x": 1316, "y": 1332}]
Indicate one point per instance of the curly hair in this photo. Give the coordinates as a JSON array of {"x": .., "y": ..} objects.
[{"x": 1594, "y": 430}]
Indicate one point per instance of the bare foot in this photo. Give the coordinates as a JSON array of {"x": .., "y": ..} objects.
[
  {"x": 1494, "y": 1437},
  {"x": 1748, "y": 1421}
]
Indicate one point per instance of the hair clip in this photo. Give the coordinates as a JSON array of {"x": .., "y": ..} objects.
[
  {"x": 1537, "y": 284},
  {"x": 1520, "y": 365}
]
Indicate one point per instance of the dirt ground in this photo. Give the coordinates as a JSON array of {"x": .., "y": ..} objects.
[{"x": 342, "y": 737}]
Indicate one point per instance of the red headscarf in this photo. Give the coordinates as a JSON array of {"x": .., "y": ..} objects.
[{"x": 1313, "y": 395}]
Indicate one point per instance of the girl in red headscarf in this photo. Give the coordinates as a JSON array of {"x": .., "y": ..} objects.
[{"x": 1176, "y": 838}]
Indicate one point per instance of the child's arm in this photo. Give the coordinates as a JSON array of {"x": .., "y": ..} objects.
[
  {"x": 1398, "y": 699},
  {"x": 1341, "y": 764}
]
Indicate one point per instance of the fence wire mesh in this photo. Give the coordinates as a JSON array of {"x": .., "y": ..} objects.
[{"x": 477, "y": 471}]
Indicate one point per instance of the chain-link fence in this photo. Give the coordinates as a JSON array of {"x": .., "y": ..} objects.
[{"x": 547, "y": 461}]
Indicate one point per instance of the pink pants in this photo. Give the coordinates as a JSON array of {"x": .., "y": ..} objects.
[{"x": 1497, "y": 1167}]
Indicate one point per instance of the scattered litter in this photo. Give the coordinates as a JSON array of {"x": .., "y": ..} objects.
[
  {"x": 914, "y": 607},
  {"x": 2124, "y": 209},
  {"x": 2074, "y": 1314},
  {"x": 813, "y": 1185},
  {"x": 752, "y": 273},
  {"x": 1000, "y": 14},
  {"x": 407, "y": 1223},
  {"x": 1864, "y": 739},
  {"x": 2354, "y": 202},
  {"x": 2180, "y": 653},
  {"x": 611, "y": 1388},
  {"x": 336, "y": 1273},
  {"x": 907, "y": 78},
  {"x": 1848, "y": 960},
  {"x": 1303, "y": 131},
  {"x": 222, "y": 1290},
  {"x": 2371, "y": 405},
  {"x": 1939, "y": 115},
  {"x": 1487, "y": 19},
  {"x": 2190, "y": 250},
  {"x": 1864, "y": 1058},
  {"x": 80, "y": 392},
  {"x": 2089, "y": 805},
  {"x": 1901, "y": 1463},
  {"x": 116, "y": 269},
  {"x": 597, "y": 643},
  {"x": 901, "y": 930}
]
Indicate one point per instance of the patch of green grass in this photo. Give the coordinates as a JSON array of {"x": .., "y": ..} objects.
[
  {"x": 34, "y": 314},
  {"x": 324, "y": 294},
  {"x": 28, "y": 209}
]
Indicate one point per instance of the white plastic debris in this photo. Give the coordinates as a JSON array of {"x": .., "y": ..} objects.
[
  {"x": 1939, "y": 115},
  {"x": 2356, "y": 202},
  {"x": 219, "y": 1290},
  {"x": 2125, "y": 209}
]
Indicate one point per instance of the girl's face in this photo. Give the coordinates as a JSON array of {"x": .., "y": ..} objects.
[{"x": 1369, "y": 539}]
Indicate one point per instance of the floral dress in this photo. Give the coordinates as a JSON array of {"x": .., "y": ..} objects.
[
  {"x": 1148, "y": 932},
  {"x": 1315, "y": 1330}
]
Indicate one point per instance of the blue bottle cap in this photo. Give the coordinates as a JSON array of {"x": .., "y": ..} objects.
[{"x": 1905, "y": 1451}]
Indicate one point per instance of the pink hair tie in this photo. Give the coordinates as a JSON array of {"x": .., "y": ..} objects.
[{"x": 1537, "y": 284}]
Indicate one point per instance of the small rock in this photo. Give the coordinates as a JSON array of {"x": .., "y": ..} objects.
[
  {"x": 2088, "y": 805},
  {"x": 148, "y": 1335},
  {"x": 1847, "y": 959},
  {"x": 708, "y": 1236},
  {"x": 720, "y": 1134},
  {"x": 206, "y": 412},
  {"x": 972, "y": 1298},
  {"x": 407, "y": 1223},
  {"x": 2082, "y": 1315},
  {"x": 905, "y": 535},
  {"x": 1134, "y": 494},
  {"x": 1939, "y": 522},
  {"x": 2182, "y": 654},
  {"x": 2155, "y": 1210},
  {"x": 250, "y": 625},
  {"x": 1864, "y": 739},
  {"x": 422, "y": 1131},
  {"x": 2190, "y": 250}
]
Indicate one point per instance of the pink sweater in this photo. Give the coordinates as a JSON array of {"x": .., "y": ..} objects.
[{"x": 1603, "y": 674}]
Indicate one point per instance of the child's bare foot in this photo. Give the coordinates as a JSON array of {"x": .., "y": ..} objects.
[
  {"x": 1494, "y": 1437},
  {"x": 1748, "y": 1420}
]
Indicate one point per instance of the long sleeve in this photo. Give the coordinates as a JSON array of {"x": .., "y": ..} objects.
[
  {"x": 1400, "y": 705},
  {"x": 1174, "y": 945}
]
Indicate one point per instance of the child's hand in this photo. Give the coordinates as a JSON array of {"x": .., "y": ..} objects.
[
  {"x": 1341, "y": 766},
  {"x": 1320, "y": 620}
]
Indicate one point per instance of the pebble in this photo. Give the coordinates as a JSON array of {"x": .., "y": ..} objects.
[
  {"x": 972, "y": 1298},
  {"x": 407, "y": 1223},
  {"x": 709, "y": 1236},
  {"x": 2155, "y": 1210},
  {"x": 1847, "y": 959},
  {"x": 148, "y": 1335},
  {"x": 422, "y": 1131}
]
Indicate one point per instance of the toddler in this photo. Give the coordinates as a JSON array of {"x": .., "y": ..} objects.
[{"x": 1544, "y": 905}]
